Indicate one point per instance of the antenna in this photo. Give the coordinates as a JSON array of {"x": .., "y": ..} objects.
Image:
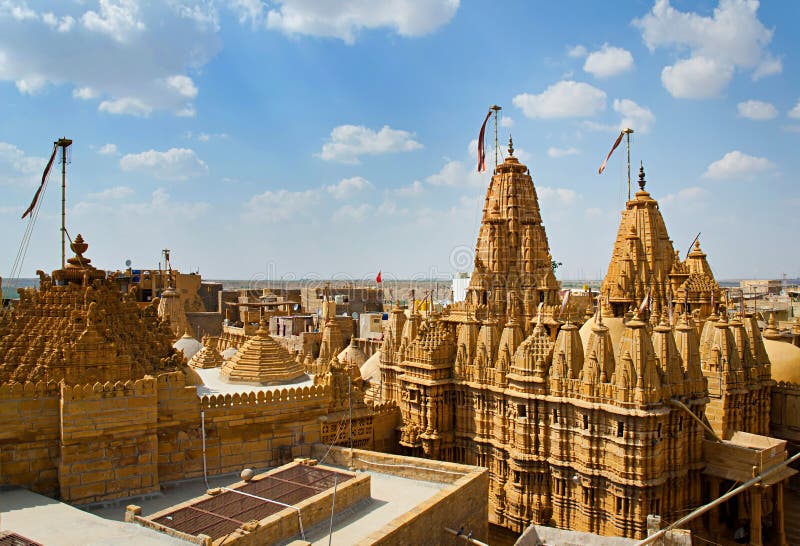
[
  {"x": 627, "y": 131},
  {"x": 495, "y": 109},
  {"x": 63, "y": 143}
]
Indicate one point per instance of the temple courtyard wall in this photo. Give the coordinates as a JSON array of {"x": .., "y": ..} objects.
[{"x": 103, "y": 441}]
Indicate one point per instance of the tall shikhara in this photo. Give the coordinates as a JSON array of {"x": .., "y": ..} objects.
[
  {"x": 512, "y": 255},
  {"x": 576, "y": 435}
]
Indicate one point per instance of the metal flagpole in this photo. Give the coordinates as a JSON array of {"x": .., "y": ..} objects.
[
  {"x": 496, "y": 109},
  {"x": 63, "y": 143},
  {"x": 628, "y": 132}
]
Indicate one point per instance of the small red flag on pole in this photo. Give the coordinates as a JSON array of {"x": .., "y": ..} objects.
[
  {"x": 481, "y": 151},
  {"x": 41, "y": 184},
  {"x": 614, "y": 147},
  {"x": 378, "y": 279}
]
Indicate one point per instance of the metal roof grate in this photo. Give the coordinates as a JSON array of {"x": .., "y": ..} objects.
[
  {"x": 7, "y": 538},
  {"x": 224, "y": 513}
]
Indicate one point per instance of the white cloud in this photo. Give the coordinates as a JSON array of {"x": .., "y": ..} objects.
[
  {"x": 795, "y": 112},
  {"x": 596, "y": 127},
  {"x": 347, "y": 142},
  {"x": 608, "y": 61},
  {"x": 127, "y": 105},
  {"x": 757, "y": 110},
  {"x": 563, "y": 99},
  {"x": 690, "y": 194},
  {"x": 205, "y": 137},
  {"x": 455, "y": 173},
  {"x": 577, "y": 51},
  {"x": 118, "y": 19},
  {"x": 117, "y": 192},
  {"x": 17, "y": 168},
  {"x": 183, "y": 85},
  {"x": 347, "y": 187},
  {"x": 352, "y": 213},
  {"x": 173, "y": 164},
  {"x": 108, "y": 149},
  {"x": 281, "y": 205},
  {"x": 506, "y": 121},
  {"x": 84, "y": 93},
  {"x": 638, "y": 118},
  {"x": 562, "y": 152},
  {"x": 344, "y": 19},
  {"x": 141, "y": 58},
  {"x": 556, "y": 196},
  {"x": 738, "y": 165},
  {"x": 415, "y": 188},
  {"x": 696, "y": 78},
  {"x": 732, "y": 38}
]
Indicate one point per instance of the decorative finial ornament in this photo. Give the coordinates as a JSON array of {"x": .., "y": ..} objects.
[
  {"x": 642, "y": 181},
  {"x": 510, "y": 146}
]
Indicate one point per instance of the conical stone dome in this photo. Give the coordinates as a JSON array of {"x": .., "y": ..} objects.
[{"x": 261, "y": 360}]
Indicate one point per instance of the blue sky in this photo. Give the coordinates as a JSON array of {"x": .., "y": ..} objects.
[{"x": 307, "y": 138}]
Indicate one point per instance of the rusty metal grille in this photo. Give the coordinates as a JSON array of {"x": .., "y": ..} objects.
[
  {"x": 8, "y": 538},
  {"x": 224, "y": 513}
]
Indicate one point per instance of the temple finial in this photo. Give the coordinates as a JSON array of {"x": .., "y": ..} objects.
[
  {"x": 510, "y": 146},
  {"x": 642, "y": 181}
]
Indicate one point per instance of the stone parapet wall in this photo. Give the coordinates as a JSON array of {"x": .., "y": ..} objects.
[
  {"x": 29, "y": 432},
  {"x": 108, "y": 440},
  {"x": 785, "y": 414}
]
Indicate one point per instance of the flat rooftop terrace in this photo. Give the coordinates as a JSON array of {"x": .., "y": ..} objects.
[{"x": 213, "y": 383}]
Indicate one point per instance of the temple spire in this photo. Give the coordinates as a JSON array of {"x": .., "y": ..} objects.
[{"x": 642, "y": 181}]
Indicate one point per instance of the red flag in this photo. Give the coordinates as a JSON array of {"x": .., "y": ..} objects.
[
  {"x": 614, "y": 147},
  {"x": 481, "y": 152},
  {"x": 41, "y": 185},
  {"x": 378, "y": 279}
]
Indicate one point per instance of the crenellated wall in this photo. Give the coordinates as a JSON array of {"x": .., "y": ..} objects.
[
  {"x": 108, "y": 440},
  {"x": 29, "y": 435}
]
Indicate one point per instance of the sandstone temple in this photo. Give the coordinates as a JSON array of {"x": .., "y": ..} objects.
[
  {"x": 655, "y": 398},
  {"x": 589, "y": 428}
]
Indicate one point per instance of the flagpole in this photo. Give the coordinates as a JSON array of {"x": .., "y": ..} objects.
[
  {"x": 63, "y": 143},
  {"x": 496, "y": 109},
  {"x": 628, "y": 132}
]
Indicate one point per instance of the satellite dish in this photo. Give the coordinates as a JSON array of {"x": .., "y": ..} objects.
[
  {"x": 354, "y": 315},
  {"x": 127, "y": 263}
]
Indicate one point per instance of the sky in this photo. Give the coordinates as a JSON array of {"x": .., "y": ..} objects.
[{"x": 336, "y": 138}]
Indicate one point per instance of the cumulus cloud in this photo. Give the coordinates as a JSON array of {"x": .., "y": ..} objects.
[
  {"x": 347, "y": 187},
  {"x": 690, "y": 194},
  {"x": 455, "y": 173},
  {"x": 696, "y": 78},
  {"x": 795, "y": 112},
  {"x": 561, "y": 100},
  {"x": 732, "y": 38},
  {"x": 134, "y": 58},
  {"x": 608, "y": 61},
  {"x": 757, "y": 110},
  {"x": 344, "y": 19},
  {"x": 352, "y": 213},
  {"x": 160, "y": 206},
  {"x": 506, "y": 121},
  {"x": 556, "y": 196},
  {"x": 108, "y": 149},
  {"x": 117, "y": 192},
  {"x": 415, "y": 188},
  {"x": 348, "y": 142},
  {"x": 577, "y": 52},
  {"x": 17, "y": 168},
  {"x": 562, "y": 152},
  {"x": 638, "y": 118},
  {"x": 738, "y": 165},
  {"x": 173, "y": 164}
]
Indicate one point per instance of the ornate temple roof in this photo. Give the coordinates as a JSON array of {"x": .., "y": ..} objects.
[
  {"x": 262, "y": 360},
  {"x": 188, "y": 345},
  {"x": 512, "y": 255},
  {"x": 78, "y": 327},
  {"x": 644, "y": 262},
  {"x": 208, "y": 356}
]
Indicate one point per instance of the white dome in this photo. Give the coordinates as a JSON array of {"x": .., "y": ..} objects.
[
  {"x": 228, "y": 353},
  {"x": 188, "y": 345}
]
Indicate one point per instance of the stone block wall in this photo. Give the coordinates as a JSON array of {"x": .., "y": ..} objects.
[
  {"x": 385, "y": 422},
  {"x": 785, "y": 414},
  {"x": 108, "y": 441},
  {"x": 29, "y": 433}
]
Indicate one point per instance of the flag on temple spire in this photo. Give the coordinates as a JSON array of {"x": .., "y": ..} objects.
[
  {"x": 41, "y": 184},
  {"x": 481, "y": 150},
  {"x": 378, "y": 278},
  {"x": 614, "y": 147}
]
